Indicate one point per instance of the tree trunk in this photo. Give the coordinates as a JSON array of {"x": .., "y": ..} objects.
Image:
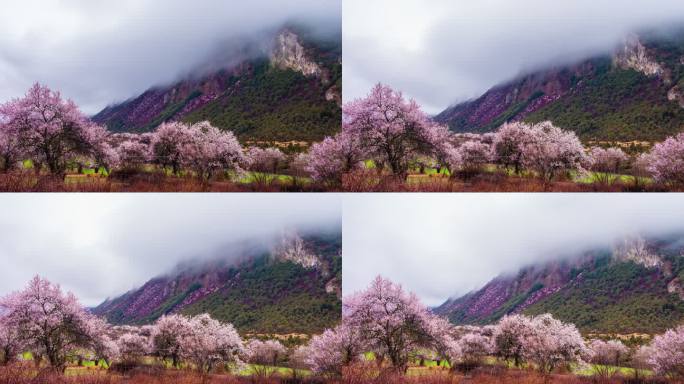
[
  {"x": 6, "y": 163},
  {"x": 6, "y": 356},
  {"x": 37, "y": 359}
]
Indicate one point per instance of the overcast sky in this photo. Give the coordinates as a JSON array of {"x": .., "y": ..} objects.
[
  {"x": 446, "y": 245},
  {"x": 99, "y": 52},
  {"x": 444, "y": 51},
  {"x": 100, "y": 246}
]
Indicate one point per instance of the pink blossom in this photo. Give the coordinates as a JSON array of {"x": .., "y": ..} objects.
[
  {"x": 212, "y": 150},
  {"x": 641, "y": 360},
  {"x": 51, "y": 130},
  {"x": 264, "y": 353},
  {"x": 132, "y": 347},
  {"x": 666, "y": 161},
  {"x": 509, "y": 144},
  {"x": 299, "y": 359},
  {"x": 607, "y": 159},
  {"x": 327, "y": 353},
  {"x": 667, "y": 353},
  {"x": 335, "y": 156},
  {"x": 265, "y": 160},
  {"x": 168, "y": 338},
  {"x": 171, "y": 145},
  {"x": 133, "y": 153},
  {"x": 470, "y": 157},
  {"x": 509, "y": 336},
  {"x": 392, "y": 130},
  {"x": 607, "y": 162},
  {"x": 212, "y": 343},
  {"x": 48, "y": 322},
  {"x": 552, "y": 151},
  {"x": 299, "y": 166},
  {"x": 608, "y": 355},
  {"x": 201, "y": 147},
  {"x": 552, "y": 343},
  {"x": 391, "y": 322},
  {"x": 470, "y": 350},
  {"x": 106, "y": 349}
]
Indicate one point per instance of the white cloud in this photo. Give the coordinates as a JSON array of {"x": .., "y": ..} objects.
[
  {"x": 99, "y": 52},
  {"x": 103, "y": 245},
  {"x": 443, "y": 51},
  {"x": 440, "y": 245}
]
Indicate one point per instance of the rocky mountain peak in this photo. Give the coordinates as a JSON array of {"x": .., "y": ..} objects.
[
  {"x": 634, "y": 55},
  {"x": 293, "y": 248},
  {"x": 289, "y": 53},
  {"x": 291, "y": 298},
  {"x": 636, "y": 250},
  {"x": 604, "y": 97}
]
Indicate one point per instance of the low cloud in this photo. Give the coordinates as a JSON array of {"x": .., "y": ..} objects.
[
  {"x": 441, "y": 246},
  {"x": 443, "y": 51},
  {"x": 98, "y": 53},
  {"x": 100, "y": 246}
]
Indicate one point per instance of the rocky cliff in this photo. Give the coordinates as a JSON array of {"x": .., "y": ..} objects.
[
  {"x": 633, "y": 287},
  {"x": 290, "y": 92},
  {"x": 293, "y": 288},
  {"x": 633, "y": 94}
]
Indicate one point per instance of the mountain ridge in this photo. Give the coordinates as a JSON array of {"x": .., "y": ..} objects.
[
  {"x": 292, "y": 91},
  {"x": 637, "y": 286},
  {"x": 633, "y": 94},
  {"x": 295, "y": 287}
]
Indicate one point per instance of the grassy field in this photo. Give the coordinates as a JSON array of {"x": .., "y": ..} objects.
[
  {"x": 584, "y": 178},
  {"x": 427, "y": 367},
  {"x": 88, "y": 367},
  {"x": 490, "y": 178}
]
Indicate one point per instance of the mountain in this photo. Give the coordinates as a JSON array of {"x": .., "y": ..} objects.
[
  {"x": 293, "y": 288},
  {"x": 290, "y": 91},
  {"x": 635, "y": 287},
  {"x": 636, "y": 94}
]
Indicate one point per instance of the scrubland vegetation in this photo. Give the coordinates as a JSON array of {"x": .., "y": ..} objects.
[
  {"x": 46, "y": 336},
  {"x": 386, "y": 144},
  {"x": 388, "y": 335}
]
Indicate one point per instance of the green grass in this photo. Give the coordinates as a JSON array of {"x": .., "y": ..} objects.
[
  {"x": 255, "y": 369},
  {"x": 253, "y": 177},
  {"x": 429, "y": 366},
  {"x": 592, "y": 370},
  {"x": 582, "y": 178},
  {"x": 89, "y": 368},
  {"x": 595, "y": 177}
]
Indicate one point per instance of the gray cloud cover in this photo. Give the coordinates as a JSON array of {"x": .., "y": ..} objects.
[
  {"x": 99, "y": 52},
  {"x": 443, "y": 51},
  {"x": 442, "y": 245},
  {"x": 103, "y": 245}
]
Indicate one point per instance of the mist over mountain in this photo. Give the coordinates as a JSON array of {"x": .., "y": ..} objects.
[
  {"x": 284, "y": 85},
  {"x": 453, "y": 51},
  {"x": 102, "y": 245},
  {"x": 635, "y": 286},
  {"x": 635, "y": 94},
  {"x": 97, "y": 54},
  {"x": 291, "y": 285}
]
